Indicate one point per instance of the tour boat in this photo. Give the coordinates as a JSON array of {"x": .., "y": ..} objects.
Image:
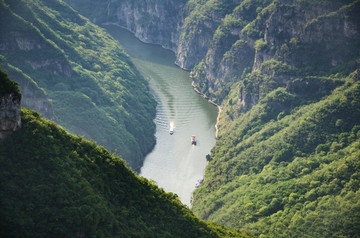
[{"x": 193, "y": 140}]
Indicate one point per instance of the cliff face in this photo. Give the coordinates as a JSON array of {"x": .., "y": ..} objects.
[
  {"x": 200, "y": 23},
  {"x": 29, "y": 43},
  {"x": 10, "y": 120},
  {"x": 185, "y": 27},
  {"x": 303, "y": 35},
  {"x": 156, "y": 22},
  {"x": 309, "y": 37},
  {"x": 33, "y": 96}
]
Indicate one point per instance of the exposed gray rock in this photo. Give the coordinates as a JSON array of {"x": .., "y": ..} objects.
[
  {"x": 156, "y": 22},
  {"x": 10, "y": 118}
]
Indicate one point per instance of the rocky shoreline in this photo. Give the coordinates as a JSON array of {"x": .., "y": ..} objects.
[{"x": 213, "y": 103}]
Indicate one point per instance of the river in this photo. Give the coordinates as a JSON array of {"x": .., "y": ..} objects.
[{"x": 174, "y": 164}]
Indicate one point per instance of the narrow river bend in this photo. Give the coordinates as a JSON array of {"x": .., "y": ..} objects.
[{"x": 174, "y": 164}]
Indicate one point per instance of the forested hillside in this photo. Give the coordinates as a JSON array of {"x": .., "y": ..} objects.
[
  {"x": 288, "y": 167},
  {"x": 74, "y": 73},
  {"x": 286, "y": 161}
]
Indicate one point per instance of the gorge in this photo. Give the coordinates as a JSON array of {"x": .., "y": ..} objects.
[
  {"x": 285, "y": 73},
  {"x": 268, "y": 63}
]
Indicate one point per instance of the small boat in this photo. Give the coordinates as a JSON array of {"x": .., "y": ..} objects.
[
  {"x": 193, "y": 140},
  {"x": 171, "y": 127}
]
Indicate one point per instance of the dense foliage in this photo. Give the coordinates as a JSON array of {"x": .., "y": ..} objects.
[
  {"x": 288, "y": 169},
  {"x": 8, "y": 87},
  {"x": 94, "y": 88},
  {"x": 54, "y": 184}
]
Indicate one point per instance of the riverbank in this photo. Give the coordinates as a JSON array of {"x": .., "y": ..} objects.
[{"x": 213, "y": 103}]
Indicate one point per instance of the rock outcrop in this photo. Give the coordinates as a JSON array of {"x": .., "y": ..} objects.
[
  {"x": 10, "y": 109},
  {"x": 33, "y": 96},
  {"x": 36, "y": 99},
  {"x": 10, "y": 120},
  {"x": 156, "y": 22}
]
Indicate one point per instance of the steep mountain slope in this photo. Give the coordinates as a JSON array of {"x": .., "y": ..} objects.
[
  {"x": 53, "y": 184},
  {"x": 10, "y": 98},
  {"x": 78, "y": 75},
  {"x": 285, "y": 169}
]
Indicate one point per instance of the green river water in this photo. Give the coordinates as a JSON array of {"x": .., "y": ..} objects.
[{"x": 174, "y": 164}]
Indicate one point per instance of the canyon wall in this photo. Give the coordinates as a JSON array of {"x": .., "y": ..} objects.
[
  {"x": 10, "y": 109},
  {"x": 33, "y": 96},
  {"x": 308, "y": 37},
  {"x": 10, "y": 120},
  {"x": 156, "y": 22}
]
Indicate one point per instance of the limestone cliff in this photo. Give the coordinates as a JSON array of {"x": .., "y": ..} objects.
[
  {"x": 10, "y": 108},
  {"x": 199, "y": 26},
  {"x": 309, "y": 37},
  {"x": 182, "y": 26},
  {"x": 156, "y": 22},
  {"x": 10, "y": 119},
  {"x": 33, "y": 96},
  {"x": 316, "y": 36},
  {"x": 30, "y": 43}
]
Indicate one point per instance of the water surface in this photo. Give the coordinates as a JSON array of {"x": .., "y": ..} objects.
[{"x": 174, "y": 164}]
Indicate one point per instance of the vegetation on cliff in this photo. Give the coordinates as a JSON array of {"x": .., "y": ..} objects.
[
  {"x": 93, "y": 86},
  {"x": 8, "y": 86},
  {"x": 54, "y": 184},
  {"x": 317, "y": 38}
]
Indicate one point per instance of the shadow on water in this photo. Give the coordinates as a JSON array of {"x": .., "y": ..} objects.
[{"x": 139, "y": 50}]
